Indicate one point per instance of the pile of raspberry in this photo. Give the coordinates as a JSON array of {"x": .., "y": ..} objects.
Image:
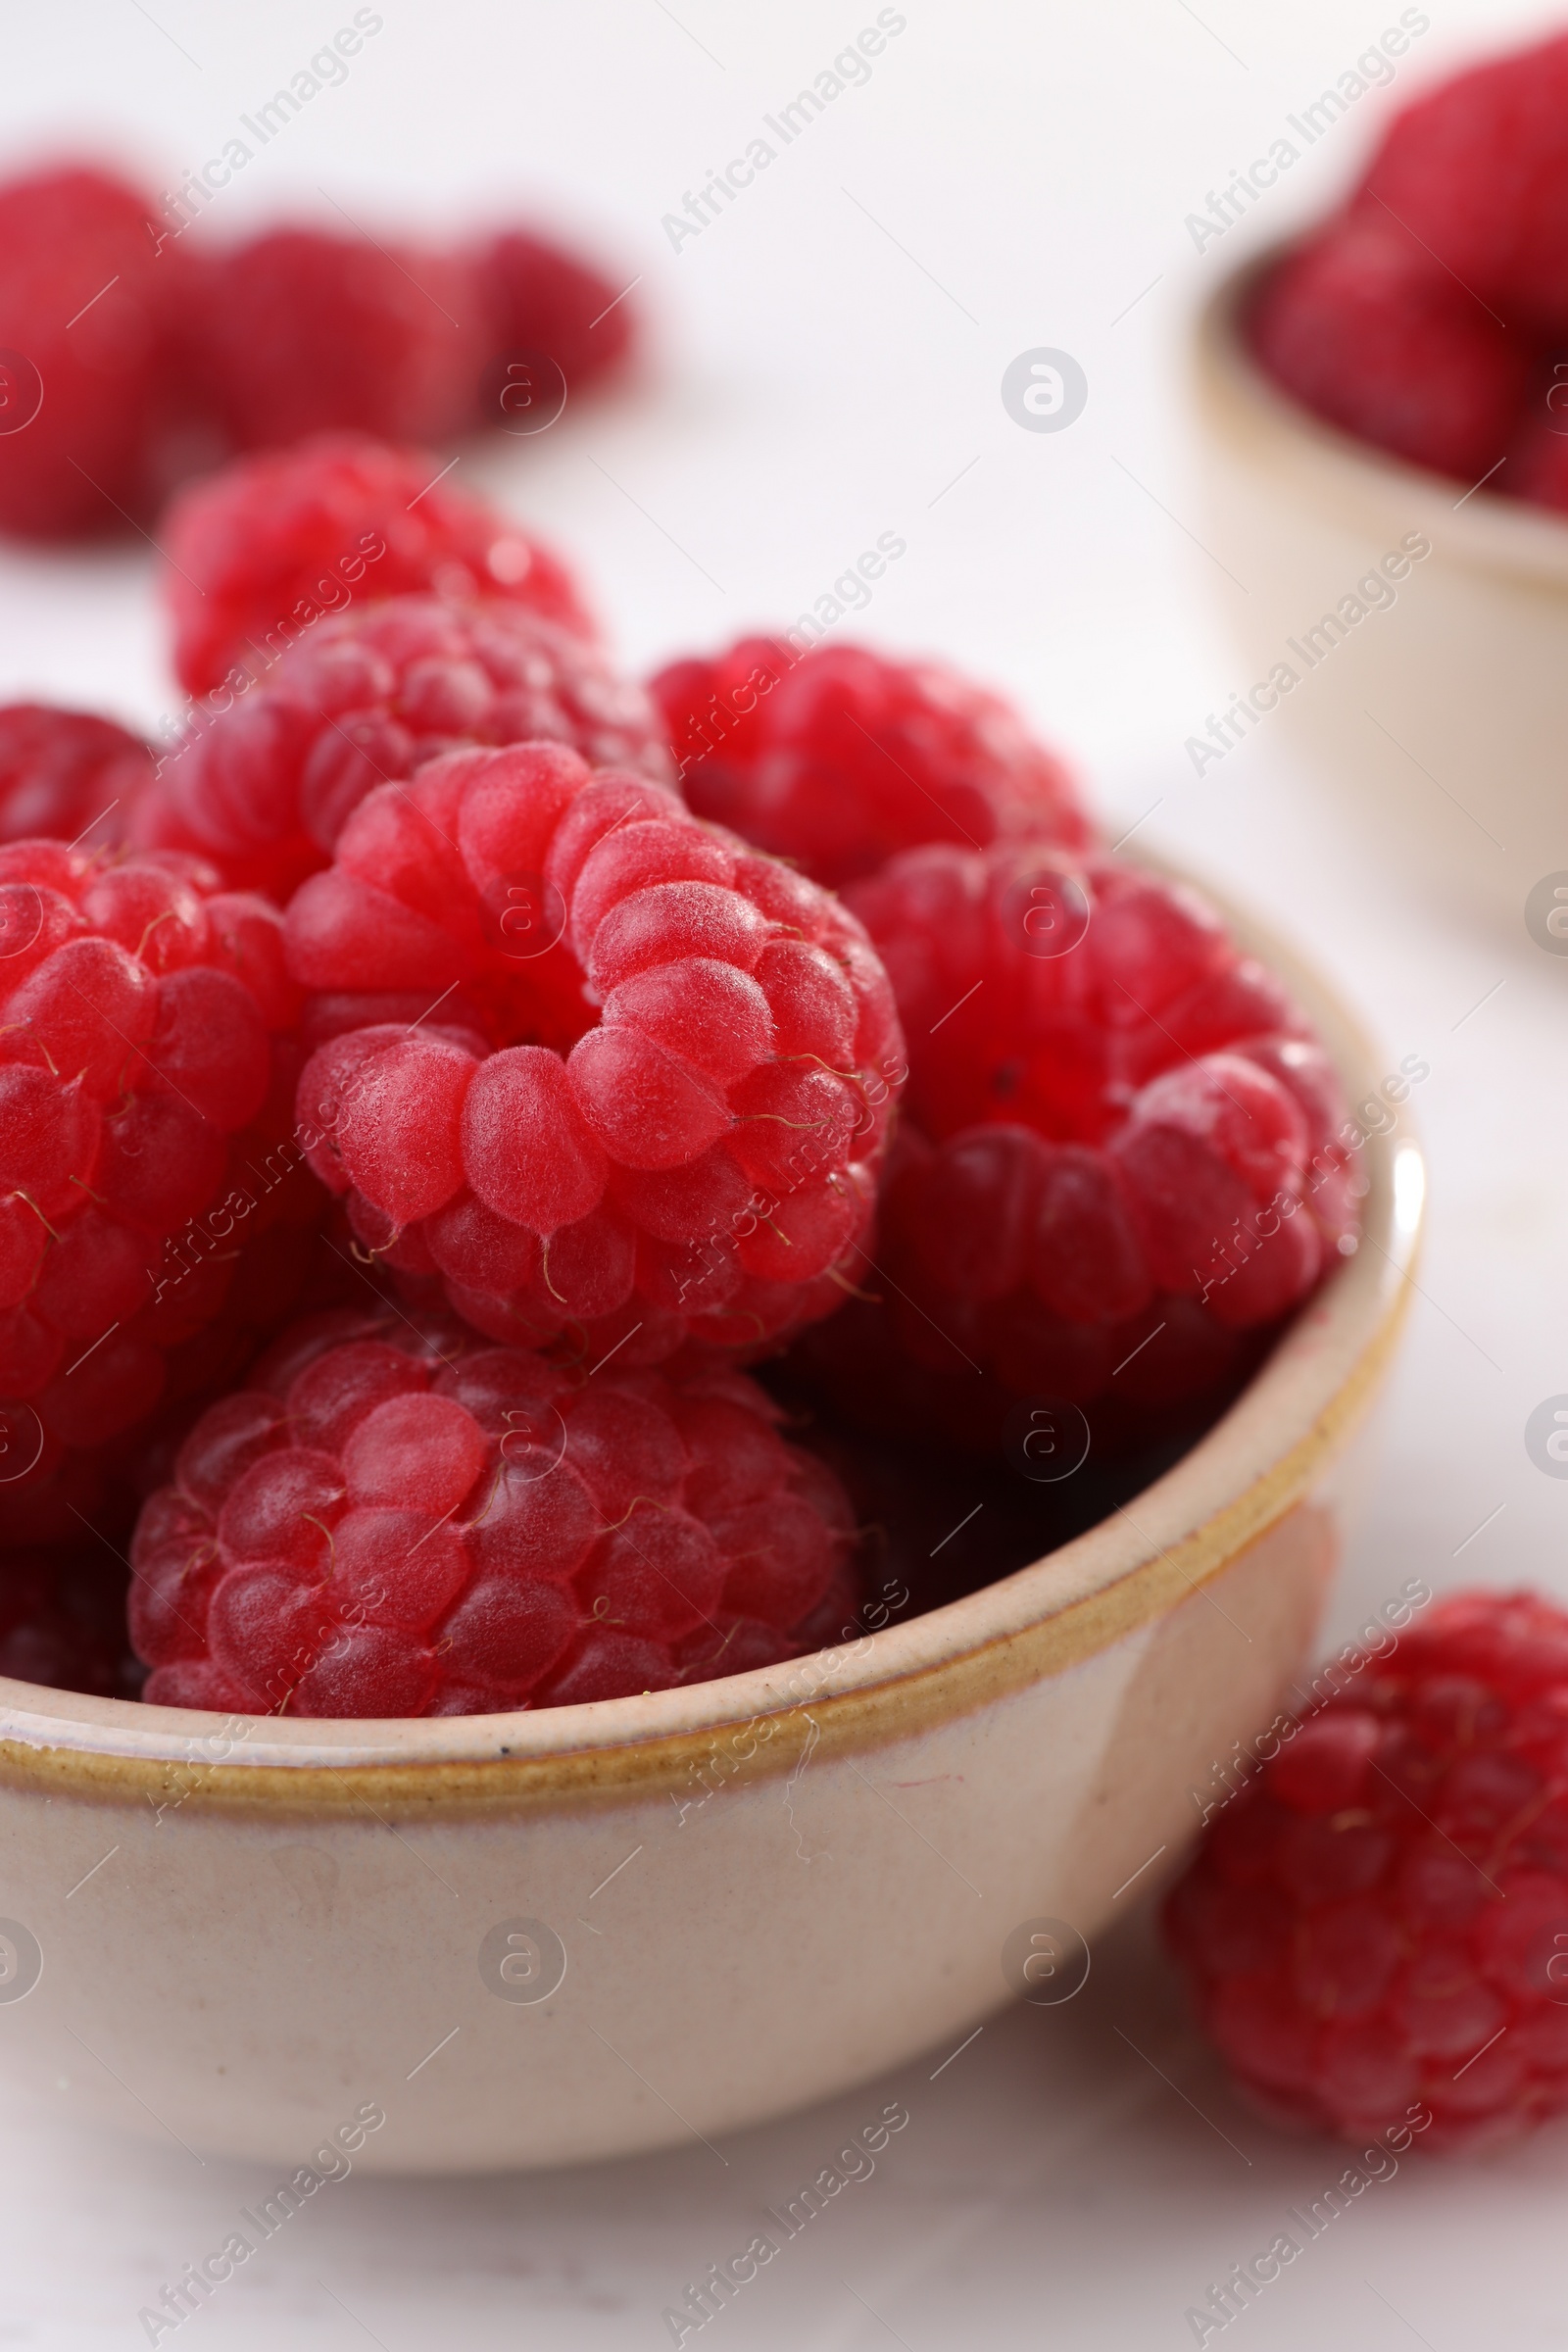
[
  {"x": 1122, "y": 1159},
  {"x": 1376, "y": 1926},
  {"x": 414, "y": 1522},
  {"x": 135, "y": 348},
  {"x": 1428, "y": 316},
  {"x": 410, "y": 985}
]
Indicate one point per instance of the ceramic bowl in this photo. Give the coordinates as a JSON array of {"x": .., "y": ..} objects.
[
  {"x": 1439, "y": 717},
  {"x": 533, "y": 1938}
]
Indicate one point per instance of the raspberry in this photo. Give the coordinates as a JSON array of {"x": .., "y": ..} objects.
[
  {"x": 265, "y": 788},
  {"x": 66, "y": 773},
  {"x": 264, "y": 547},
  {"x": 1377, "y": 1922},
  {"x": 138, "y": 1090},
  {"x": 1476, "y": 176},
  {"x": 1122, "y": 1158},
  {"x": 88, "y": 391},
  {"x": 543, "y": 301},
  {"x": 655, "y": 1098},
  {"x": 838, "y": 758},
  {"x": 418, "y": 1524},
  {"x": 302, "y": 332},
  {"x": 1366, "y": 330}
]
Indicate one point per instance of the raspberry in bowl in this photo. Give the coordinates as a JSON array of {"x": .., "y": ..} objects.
[
  {"x": 1382, "y": 417},
  {"x": 720, "y": 1865}
]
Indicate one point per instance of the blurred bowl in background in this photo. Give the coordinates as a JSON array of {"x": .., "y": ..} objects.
[{"x": 1429, "y": 690}]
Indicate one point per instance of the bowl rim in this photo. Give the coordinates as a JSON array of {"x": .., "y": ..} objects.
[
  {"x": 1239, "y": 1480},
  {"x": 1254, "y": 415}
]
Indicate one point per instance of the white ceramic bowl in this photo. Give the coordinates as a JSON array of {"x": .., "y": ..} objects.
[
  {"x": 760, "y": 1890},
  {"x": 1439, "y": 718}
]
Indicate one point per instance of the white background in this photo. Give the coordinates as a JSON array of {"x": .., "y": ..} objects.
[{"x": 826, "y": 367}]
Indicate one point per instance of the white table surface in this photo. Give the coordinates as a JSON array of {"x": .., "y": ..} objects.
[{"x": 827, "y": 367}]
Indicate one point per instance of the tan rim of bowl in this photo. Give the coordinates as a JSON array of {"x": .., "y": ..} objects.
[
  {"x": 1250, "y": 413},
  {"x": 1237, "y": 1482}
]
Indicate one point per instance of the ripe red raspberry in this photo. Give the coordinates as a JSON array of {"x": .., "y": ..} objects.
[
  {"x": 1377, "y": 1922},
  {"x": 136, "y": 1078},
  {"x": 1122, "y": 1153},
  {"x": 1363, "y": 327},
  {"x": 265, "y": 547},
  {"x": 264, "y": 787},
  {"x": 657, "y": 1097},
  {"x": 302, "y": 331},
  {"x": 88, "y": 388},
  {"x": 66, "y": 773},
  {"x": 404, "y": 1526},
  {"x": 544, "y": 301},
  {"x": 838, "y": 758},
  {"x": 1476, "y": 176}
]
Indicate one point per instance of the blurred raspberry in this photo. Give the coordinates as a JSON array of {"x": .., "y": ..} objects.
[
  {"x": 1474, "y": 175},
  {"x": 264, "y": 786},
  {"x": 411, "y": 1522},
  {"x": 89, "y": 392},
  {"x": 544, "y": 301},
  {"x": 302, "y": 331},
  {"x": 265, "y": 548},
  {"x": 1362, "y": 326},
  {"x": 1121, "y": 1161},
  {"x": 613, "y": 1078},
  {"x": 1376, "y": 1926},
  {"x": 838, "y": 758},
  {"x": 66, "y": 773},
  {"x": 146, "y": 1061}
]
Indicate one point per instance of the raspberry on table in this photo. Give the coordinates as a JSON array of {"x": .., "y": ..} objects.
[
  {"x": 145, "y": 1064},
  {"x": 1377, "y": 1922},
  {"x": 1367, "y": 331},
  {"x": 90, "y": 397},
  {"x": 303, "y": 332},
  {"x": 263, "y": 788},
  {"x": 543, "y": 301},
  {"x": 613, "y": 1078},
  {"x": 263, "y": 549},
  {"x": 1121, "y": 1161},
  {"x": 412, "y": 1522},
  {"x": 838, "y": 758},
  {"x": 68, "y": 773}
]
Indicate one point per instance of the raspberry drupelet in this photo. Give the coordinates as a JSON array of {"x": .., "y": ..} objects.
[
  {"x": 265, "y": 548},
  {"x": 1376, "y": 1925},
  {"x": 264, "y": 781},
  {"x": 416, "y": 1523},
  {"x": 89, "y": 387},
  {"x": 614, "y": 1077},
  {"x": 68, "y": 773},
  {"x": 838, "y": 758},
  {"x": 1122, "y": 1156},
  {"x": 303, "y": 332},
  {"x": 144, "y": 1036}
]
